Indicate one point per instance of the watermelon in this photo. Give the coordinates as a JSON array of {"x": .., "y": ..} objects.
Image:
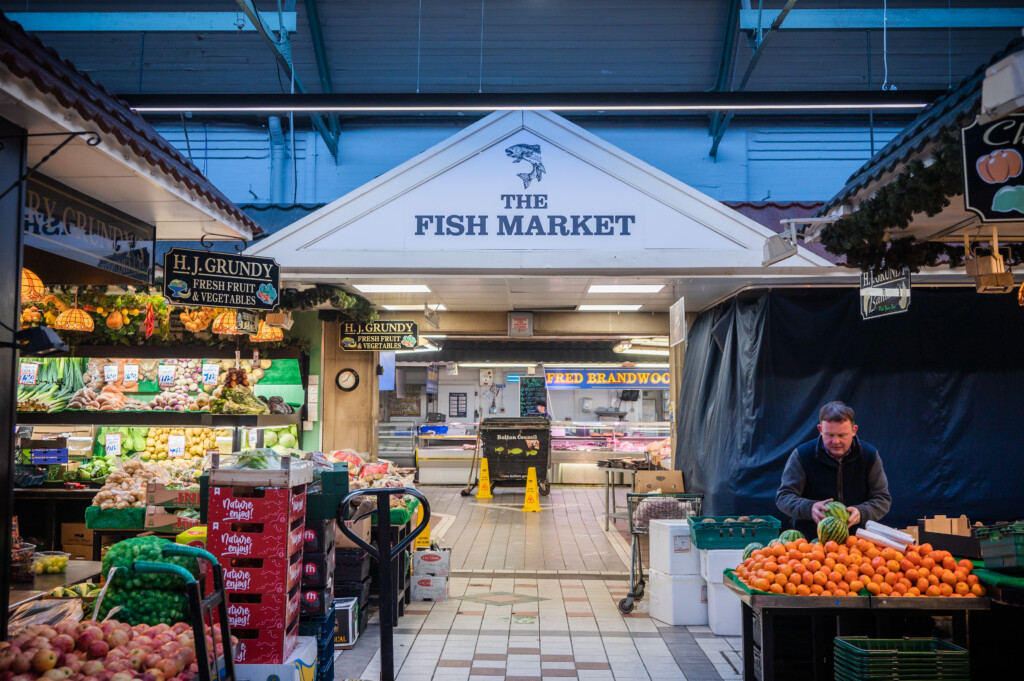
[
  {"x": 791, "y": 535},
  {"x": 837, "y": 510},
  {"x": 751, "y": 547},
  {"x": 815, "y": 541},
  {"x": 832, "y": 529}
]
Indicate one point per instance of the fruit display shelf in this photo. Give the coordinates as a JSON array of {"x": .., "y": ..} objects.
[
  {"x": 184, "y": 419},
  {"x": 77, "y": 571}
]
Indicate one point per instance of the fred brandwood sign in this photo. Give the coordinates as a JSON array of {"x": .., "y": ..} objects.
[
  {"x": 221, "y": 280},
  {"x": 884, "y": 293},
  {"x": 576, "y": 378},
  {"x": 64, "y": 222},
  {"x": 994, "y": 169},
  {"x": 389, "y": 335}
]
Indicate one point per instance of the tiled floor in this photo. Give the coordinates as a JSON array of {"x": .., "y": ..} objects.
[{"x": 530, "y": 616}]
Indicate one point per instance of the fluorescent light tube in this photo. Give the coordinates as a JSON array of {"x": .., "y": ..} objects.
[
  {"x": 404, "y": 308},
  {"x": 609, "y": 308},
  {"x": 625, "y": 288},
  {"x": 391, "y": 288}
]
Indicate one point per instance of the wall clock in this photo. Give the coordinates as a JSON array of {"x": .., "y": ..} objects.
[{"x": 347, "y": 380}]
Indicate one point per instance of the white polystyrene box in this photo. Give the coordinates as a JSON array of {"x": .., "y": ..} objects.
[
  {"x": 678, "y": 599},
  {"x": 672, "y": 552},
  {"x": 714, "y": 562},
  {"x": 725, "y": 611}
]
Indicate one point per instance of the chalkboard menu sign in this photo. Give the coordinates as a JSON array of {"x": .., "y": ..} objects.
[{"x": 531, "y": 391}]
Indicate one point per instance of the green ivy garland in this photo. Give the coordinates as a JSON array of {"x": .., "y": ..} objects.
[
  {"x": 344, "y": 306},
  {"x": 862, "y": 235}
]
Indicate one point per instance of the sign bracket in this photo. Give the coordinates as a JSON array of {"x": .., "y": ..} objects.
[{"x": 92, "y": 138}]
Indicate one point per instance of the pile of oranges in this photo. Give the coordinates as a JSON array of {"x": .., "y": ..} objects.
[{"x": 800, "y": 568}]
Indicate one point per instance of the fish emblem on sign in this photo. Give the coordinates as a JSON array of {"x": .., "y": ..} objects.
[{"x": 531, "y": 154}]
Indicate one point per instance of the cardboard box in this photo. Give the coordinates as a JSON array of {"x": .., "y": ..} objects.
[
  {"x": 299, "y": 666},
  {"x": 262, "y": 610},
  {"x": 264, "y": 540},
  {"x": 949, "y": 534},
  {"x": 426, "y": 562},
  {"x": 267, "y": 506},
  {"x": 318, "y": 602},
  {"x": 346, "y": 627},
  {"x": 669, "y": 482},
  {"x": 75, "y": 534},
  {"x": 161, "y": 522},
  {"x": 157, "y": 494},
  {"x": 362, "y": 528},
  {"x": 426, "y": 588},
  {"x": 266, "y": 646},
  {"x": 78, "y": 552},
  {"x": 317, "y": 569},
  {"x": 318, "y": 536},
  {"x": 262, "y": 575}
]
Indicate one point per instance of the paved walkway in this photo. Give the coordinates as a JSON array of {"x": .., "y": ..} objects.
[{"x": 530, "y": 616}]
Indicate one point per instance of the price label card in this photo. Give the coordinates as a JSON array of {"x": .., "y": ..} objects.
[
  {"x": 255, "y": 359},
  {"x": 165, "y": 375},
  {"x": 238, "y": 358},
  {"x": 112, "y": 444},
  {"x": 29, "y": 373},
  {"x": 252, "y": 435},
  {"x": 176, "y": 446},
  {"x": 210, "y": 374},
  {"x": 131, "y": 373},
  {"x": 110, "y": 373}
]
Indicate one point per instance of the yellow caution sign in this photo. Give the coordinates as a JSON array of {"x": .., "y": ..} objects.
[
  {"x": 483, "y": 488},
  {"x": 532, "y": 502},
  {"x": 423, "y": 538}
]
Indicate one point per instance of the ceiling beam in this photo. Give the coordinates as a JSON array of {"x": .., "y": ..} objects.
[
  {"x": 725, "y": 61},
  {"x": 863, "y": 19},
  {"x": 322, "y": 67},
  {"x": 150, "y": 22}
]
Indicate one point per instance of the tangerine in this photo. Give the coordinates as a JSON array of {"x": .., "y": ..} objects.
[
  {"x": 887, "y": 589},
  {"x": 878, "y": 579},
  {"x": 924, "y": 549},
  {"x": 820, "y": 578},
  {"x": 914, "y": 557},
  {"x": 803, "y": 547},
  {"x": 899, "y": 588},
  {"x": 972, "y": 580},
  {"x": 831, "y": 586},
  {"x": 800, "y": 568},
  {"x": 795, "y": 579},
  {"x": 794, "y": 554},
  {"x": 830, "y": 563},
  {"x": 853, "y": 541},
  {"x": 776, "y": 588},
  {"x": 778, "y": 550},
  {"x": 928, "y": 562},
  {"x": 781, "y": 579},
  {"x": 761, "y": 584},
  {"x": 962, "y": 588},
  {"x": 873, "y": 588},
  {"x": 961, "y": 574},
  {"x": 790, "y": 589},
  {"x": 893, "y": 566},
  {"x": 814, "y": 565},
  {"x": 826, "y": 592},
  {"x": 786, "y": 570},
  {"x": 949, "y": 563},
  {"x": 977, "y": 590},
  {"x": 831, "y": 546},
  {"x": 856, "y": 586},
  {"x": 922, "y": 584},
  {"x": 933, "y": 579},
  {"x": 803, "y": 590},
  {"x": 950, "y": 577},
  {"x": 891, "y": 578},
  {"x": 933, "y": 591},
  {"x": 912, "y": 574},
  {"x": 965, "y": 565},
  {"x": 867, "y": 570},
  {"x": 946, "y": 589},
  {"x": 807, "y": 578},
  {"x": 905, "y": 565},
  {"x": 816, "y": 589}
]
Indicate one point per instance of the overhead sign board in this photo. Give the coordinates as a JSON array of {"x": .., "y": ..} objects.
[
  {"x": 520, "y": 324},
  {"x": 64, "y": 222},
  {"x": 215, "y": 279},
  {"x": 578, "y": 378},
  {"x": 884, "y": 293},
  {"x": 993, "y": 156},
  {"x": 387, "y": 335},
  {"x": 431, "y": 379}
]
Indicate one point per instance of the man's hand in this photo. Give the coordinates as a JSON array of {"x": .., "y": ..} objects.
[
  {"x": 854, "y": 516},
  {"x": 818, "y": 510}
]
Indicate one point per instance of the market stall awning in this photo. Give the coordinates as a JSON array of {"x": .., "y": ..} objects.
[{"x": 132, "y": 169}]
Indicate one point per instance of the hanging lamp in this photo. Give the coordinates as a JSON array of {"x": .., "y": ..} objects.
[
  {"x": 74, "y": 319},
  {"x": 226, "y": 323},
  {"x": 267, "y": 334},
  {"x": 32, "y": 290}
]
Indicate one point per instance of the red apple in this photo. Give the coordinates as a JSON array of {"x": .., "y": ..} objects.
[
  {"x": 97, "y": 650},
  {"x": 44, "y": 661},
  {"x": 63, "y": 642}
]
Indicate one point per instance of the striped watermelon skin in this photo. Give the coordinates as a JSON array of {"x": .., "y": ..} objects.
[
  {"x": 833, "y": 529},
  {"x": 837, "y": 510},
  {"x": 791, "y": 535},
  {"x": 751, "y": 547}
]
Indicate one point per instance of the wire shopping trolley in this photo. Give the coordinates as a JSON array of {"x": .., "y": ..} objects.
[{"x": 643, "y": 508}]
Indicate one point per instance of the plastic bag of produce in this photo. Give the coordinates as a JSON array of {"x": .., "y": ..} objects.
[
  {"x": 354, "y": 461},
  {"x": 124, "y": 554},
  {"x": 47, "y": 611},
  {"x": 658, "y": 508},
  {"x": 144, "y": 606}
]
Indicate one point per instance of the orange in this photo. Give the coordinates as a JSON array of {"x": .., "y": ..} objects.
[
  {"x": 781, "y": 579},
  {"x": 933, "y": 579},
  {"x": 820, "y": 578},
  {"x": 857, "y": 559},
  {"x": 761, "y": 584},
  {"x": 965, "y": 565},
  {"x": 877, "y": 562},
  {"x": 861, "y": 544},
  {"x": 778, "y": 550},
  {"x": 800, "y": 568},
  {"x": 830, "y": 586},
  {"x": 887, "y": 590},
  {"x": 867, "y": 570},
  {"x": 771, "y": 566},
  {"x": 914, "y": 557},
  {"x": 923, "y": 571},
  {"x": 775, "y": 589},
  {"x": 899, "y": 588},
  {"x": 803, "y": 590},
  {"x": 816, "y": 589},
  {"x": 826, "y": 592},
  {"x": 972, "y": 579},
  {"x": 962, "y": 588},
  {"x": 795, "y": 579},
  {"x": 883, "y": 571},
  {"x": 950, "y": 577},
  {"x": 795, "y": 555},
  {"x": 905, "y": 582},
  {"x": 949, "y": 563},
  {"x": 913, "y": 591},
  {"x": 830, "y": 562},
  {"x": 873, "y": 589},
  {"x": 872, "y": 553},
  {"x": 785, "y": 570},
  {"x": 893, "y": 566},
  {"x": 841, "y": 569},
  {"x": 807, "y": 578},
  {"x": 841, "y": 593},
  {"x": 933, "y": 591},
  {"x": 888, "y": 553},
  {"x": 961, "y": 574},
  {"x": 803, "y": 547},
  {"x": 844, "y": 558},
  {"x": 905, "y": 565},
  {"x": 790, "y": 589},
  {"x": 913, "y": 575},
  {"x": 922, "y": 584},
  {"x": 878, "y": 579},
  {"x": 843, "y": 586},
  {"x": 856, "y": 586},
  {"x": 946, "y": 589},
  {"x": 831, "y": 546},
  {"x": 891, "y": 578},
  {"x": 814, "y": 565},
  {"x": 928, "y": 562},
  {"x": 977, "y": 590},
  {"x": 925, "y": 549}
]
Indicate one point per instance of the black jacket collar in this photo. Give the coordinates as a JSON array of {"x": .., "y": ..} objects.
[{"x": 826, "y": 456}]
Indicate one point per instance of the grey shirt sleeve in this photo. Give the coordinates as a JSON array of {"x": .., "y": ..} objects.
[
  {"x": 790, "y": 498},
  {"x": 879, "y": 499}
]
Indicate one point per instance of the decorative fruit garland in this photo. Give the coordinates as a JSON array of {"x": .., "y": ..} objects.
[{"x": 863, "y": 235}]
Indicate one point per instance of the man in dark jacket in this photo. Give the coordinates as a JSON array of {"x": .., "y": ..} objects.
[{"x": 837, "y": 466}]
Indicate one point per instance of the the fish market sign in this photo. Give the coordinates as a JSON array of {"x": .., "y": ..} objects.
[
  {"x": 221, "y": 280},
  {"x": 527, "y": 215}
]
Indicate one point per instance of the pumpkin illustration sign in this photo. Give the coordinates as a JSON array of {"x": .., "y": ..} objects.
[{"x": 994, "y": 169}]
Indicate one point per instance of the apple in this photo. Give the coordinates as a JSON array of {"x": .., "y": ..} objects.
[
  {"x": 87, "y": 636},
  {"x": 44, "y": 661},
  {"x": 122, "y": 676},
  {"x": 97, "y": 650},
  {"x": 118, "y": 637},
  {"x": 56, "y": 675},
  {"x": 46, "y": 632},
  {"x": 63, "y": 642}
]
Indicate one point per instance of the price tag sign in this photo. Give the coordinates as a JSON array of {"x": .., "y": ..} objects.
[
  {"x": 176, "y": 446},
  {"x": 255, "y": 359},
  {"x": 165, "y": 375},
  {"x": 28, "y": 374},
  {"x": 112, "y": 444},
  {"x": 238, "y": 358},
  {"x": 131, "y": 373},
  {"x": 210, "y": 374},
  {"x": 110, "y": 373},
  {"x": 253, "y": 436}
]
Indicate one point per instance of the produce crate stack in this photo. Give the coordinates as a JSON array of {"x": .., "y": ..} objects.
[
  {"x": 171, "y": 511},
  {"x": 678, "y": 592},
  {"x": 352, "y": 580},
  {"x": 430, "y": 570},
  {"x": 897, "y": 659},
  {"x": 401, "y": 565},
  {"x": 322, "y": 629},
  {"x": 318, "y": 558},
  {"x": 257, "y": 533}
]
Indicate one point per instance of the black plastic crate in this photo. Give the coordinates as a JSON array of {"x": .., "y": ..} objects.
[
  {"x": 315, "y": 626},
  {"x": 360, "y": 590},
  {"x": 351, "y": 565},
  {"x": 514, "y": 445},
  {"x": 326, "y": 673},
  {"x": 364, "y": 618}
]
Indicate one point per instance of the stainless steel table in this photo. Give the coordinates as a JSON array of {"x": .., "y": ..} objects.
[
  {"x": 78, "y": 571},
  {"x": 609, "y": 492}
]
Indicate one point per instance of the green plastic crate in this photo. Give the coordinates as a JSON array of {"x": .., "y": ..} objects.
[
  {"x": 735, "y": 535},
  {"x": 907, "y": 659},
  {"x": 1002, "y": 546}
]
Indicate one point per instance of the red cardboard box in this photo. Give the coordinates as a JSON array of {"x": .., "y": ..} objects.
[
  {"x": 262, "y": 575},
  {"x": 319, "y": 536},
  {"x": 265, "y": 646},
  {"x": 317, "y": 569},
  {"x": 261, "y": 610},
  {"x": 256, "y": 540},
  {"x": 256, "y": 505},
  {"x": 318, "y": 602}
]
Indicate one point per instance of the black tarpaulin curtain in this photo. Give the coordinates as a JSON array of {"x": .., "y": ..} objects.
[{"x": 938, "y": 389}]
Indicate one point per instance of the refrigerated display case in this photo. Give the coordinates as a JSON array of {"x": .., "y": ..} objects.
[
  {"x": 396, "y": 442},
  {"x": 444, "y": 452},
  {"x": 577, "y": 447}
]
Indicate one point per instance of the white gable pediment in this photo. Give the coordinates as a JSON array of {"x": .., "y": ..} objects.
[{"x": 536, "y": 189}]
